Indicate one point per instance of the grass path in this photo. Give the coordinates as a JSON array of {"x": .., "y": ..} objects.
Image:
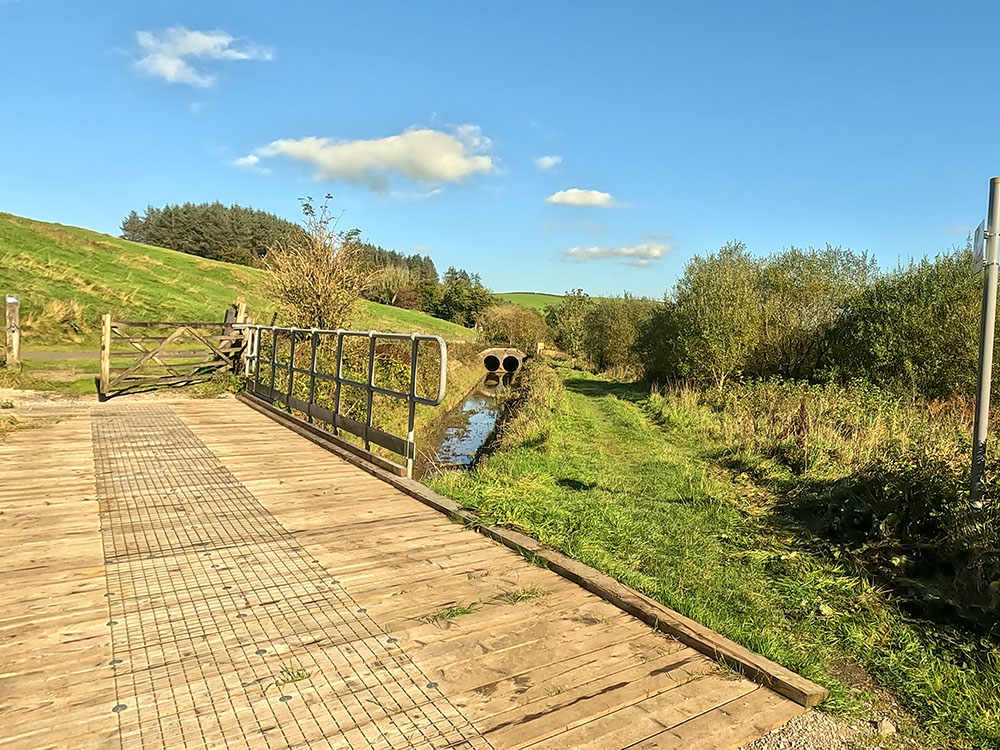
[{"x": 599, "y": 478}]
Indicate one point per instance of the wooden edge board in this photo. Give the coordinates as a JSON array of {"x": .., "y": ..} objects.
[{"x": 755, "y": 667}]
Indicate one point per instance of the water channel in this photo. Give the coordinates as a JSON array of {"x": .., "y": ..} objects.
[{"x": 468, "y": 426}]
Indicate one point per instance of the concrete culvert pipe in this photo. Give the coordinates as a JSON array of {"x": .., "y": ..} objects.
[
  {"x": 492, "y": 362},
  {"x": 511, "y": 363}
]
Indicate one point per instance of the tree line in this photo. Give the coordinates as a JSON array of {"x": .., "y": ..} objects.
[
  {"x": 247, "y": 236},
  {"x": 811, "y": 314}
]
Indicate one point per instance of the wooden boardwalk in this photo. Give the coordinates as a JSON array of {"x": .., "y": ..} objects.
[{"x": 191, "y": 574}]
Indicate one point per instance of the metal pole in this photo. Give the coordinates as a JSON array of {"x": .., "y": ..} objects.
[
  {"x": 291, "y": 372},
  {"x": 411, "y": 418},
  {"x": 989, "y": 313},
  {"x": 314, "y": 344},
  {"x": 371, "y": 384},
  {"x": 274, "y": 360},
  {"x": 340, "y": 375}
]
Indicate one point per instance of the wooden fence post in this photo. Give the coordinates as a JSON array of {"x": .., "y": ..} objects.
[
  {"x": 13, "y": 333},
  {"x": 105, "y": 355},
  {"x": 240, "y": 362}
]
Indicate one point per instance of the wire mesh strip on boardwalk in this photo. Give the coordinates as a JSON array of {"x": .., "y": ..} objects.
[{"x": 226, "y": 632}]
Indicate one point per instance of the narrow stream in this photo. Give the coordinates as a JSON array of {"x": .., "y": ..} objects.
[{"x": 469, "y": 425}]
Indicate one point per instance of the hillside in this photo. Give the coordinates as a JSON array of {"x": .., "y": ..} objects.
[
  {"x": 67, "y": 277},
  {"x": 533, "y": 300}
]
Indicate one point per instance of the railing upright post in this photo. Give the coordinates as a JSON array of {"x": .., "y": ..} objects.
[
  {"x": 371, "y": 384},
  {"x": 314, "y": 345},
  {"x": 274, "y": 356},
  {"x": 340, "y": 375},
  {"x": 410, "y": 437},
  {"x": 256, "y": 358},
  {"x": 291, "y": 370}
]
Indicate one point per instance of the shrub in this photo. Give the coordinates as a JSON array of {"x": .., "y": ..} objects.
[
  {"x": 462, "y": 297},
  {"x": 612, "y": 328},
  {"x": 568, "y": 321},
  {"x": 512, "y": 325},
  {"x": 915, "y": 329},
  {"x": 881, "y": 478},
  {"x": 716, "y": 319},
  {"x": 315, "y": 277},
  {"x": 802, "y": 294},
  {"x": 385, "y": 284}
]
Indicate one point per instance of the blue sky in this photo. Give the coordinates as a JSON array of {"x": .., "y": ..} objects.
[{"x": 677, "y": 126}]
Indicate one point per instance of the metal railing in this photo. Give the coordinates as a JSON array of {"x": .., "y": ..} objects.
[{"x": 313, "y": 339}]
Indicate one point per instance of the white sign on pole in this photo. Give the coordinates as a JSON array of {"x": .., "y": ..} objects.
[{"x": 979, "y": 248}]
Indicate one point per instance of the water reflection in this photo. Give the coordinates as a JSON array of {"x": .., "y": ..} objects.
[{"x": 472, "y": 423}]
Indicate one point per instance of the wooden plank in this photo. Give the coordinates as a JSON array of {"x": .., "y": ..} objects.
[
  {"x": 161, "y": 324},
  {"x": 527, "y": 672},
  {"x": 729, "y": 726},
  {"x": 56, "y": 689},
  {"x": 756, "y": 667},
  {"x": 320, "y": 437}
]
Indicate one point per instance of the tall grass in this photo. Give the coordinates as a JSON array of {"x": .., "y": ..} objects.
[{"x": 880, "y": 476}]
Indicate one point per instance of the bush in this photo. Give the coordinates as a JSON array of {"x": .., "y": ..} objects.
[
  {"x": 714, "y": 322},
  {"x": 915, "y": 329},
  {"x": 315, "y": 277},
  {"x": 612, "y": 327},
  {"x": 568, "y": 321},
  {"x": 802, "y": 294},
  {"x": 881, "y": 478},
  {"x": 462, "y": 298},
  {"x": 512, "y": 325}
]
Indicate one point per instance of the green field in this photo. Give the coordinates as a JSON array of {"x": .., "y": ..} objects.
[
  {"x": 533, "y": 300},
  {"x": 66, "y": 277}
]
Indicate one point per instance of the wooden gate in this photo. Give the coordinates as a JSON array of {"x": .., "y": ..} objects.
[{"x": 144, "y": 355}]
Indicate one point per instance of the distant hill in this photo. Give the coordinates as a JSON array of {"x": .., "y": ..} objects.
[
  {"x": 534, "y": 300},
  {"x": 67, "y": 277}
]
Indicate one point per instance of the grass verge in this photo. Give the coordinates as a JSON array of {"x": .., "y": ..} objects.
[{"x": 591, "y": 467}]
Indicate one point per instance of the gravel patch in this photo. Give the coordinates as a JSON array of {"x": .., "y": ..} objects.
[{"x": 816, "y": 731}]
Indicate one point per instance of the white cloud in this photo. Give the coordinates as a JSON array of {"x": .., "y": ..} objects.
[
  {"x": 251, "y": 162},
  {"x": 545, "y": 163},
  {"x": 640, "y": 255},
  {"x": 578, "y": 197},
  {"x": 169, "y": 55},
  {"x": 422, "y": 154}
]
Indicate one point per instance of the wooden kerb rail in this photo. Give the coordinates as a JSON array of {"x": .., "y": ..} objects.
[
  {"x": 755, "y": 667},
  {"x": 328, "y": 363}
]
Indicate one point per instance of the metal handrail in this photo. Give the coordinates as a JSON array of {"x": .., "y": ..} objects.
[{"x": 404, "y": 447}]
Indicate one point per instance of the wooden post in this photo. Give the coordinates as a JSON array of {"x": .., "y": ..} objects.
[
  {"x": 13, "y": 333},
  {"x": 240, "y": 361},
  {"x": 105, "y": 355}
]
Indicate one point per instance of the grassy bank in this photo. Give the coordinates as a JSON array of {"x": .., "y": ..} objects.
[
  {"x": 67, "y": 277},
  {"x": 648, "y": 489}
]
